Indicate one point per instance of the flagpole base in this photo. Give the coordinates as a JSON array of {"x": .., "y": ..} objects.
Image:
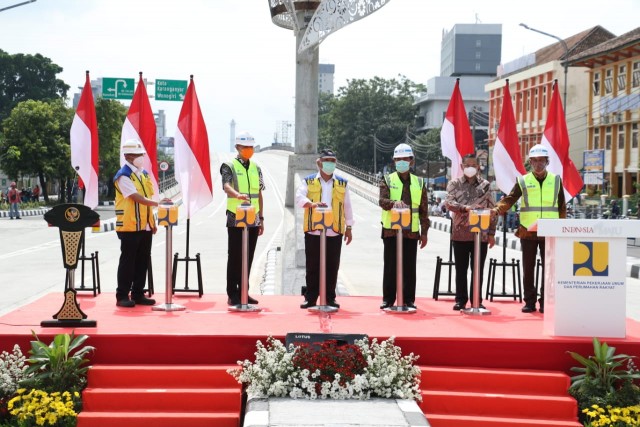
[
  {"x": 400, "y": 309},
  {"x": 245, "y": 308}
]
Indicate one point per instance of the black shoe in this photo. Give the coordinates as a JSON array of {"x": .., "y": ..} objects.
[
  {"x": 252, "y": 300},
  {"x": 232, "y": 302},
  {"x": 384, "y": 305},
  {"x": 144, "y": 300},
  {"x": 307, "y": 304},
  {"x": 333, "y": 304},
  {"x": 482, "y": 307},
  {"x": 528, "y": 309},
  {"x": 411, "y": 305},
  {"x": 125, "y": 303},
  {"x": 458, "y": 306}
]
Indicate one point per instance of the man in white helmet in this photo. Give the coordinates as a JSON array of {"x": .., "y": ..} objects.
[
  {"x": 402, "y": 189},
  {"x": 242, "y": 182},
  {"x": 542, "y": 197},
  {"x": 135, "y": 225}
]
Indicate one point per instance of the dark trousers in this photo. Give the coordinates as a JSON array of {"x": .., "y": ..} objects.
[
  {"x": 409, "y": 254},
  {"x": 463, "y": 254},
  {"x": 135, "y": 251},
  {"x": 529, "y": 256},
  {"x": 312, "y": 253},
  {"x": 234, "y": 260}
]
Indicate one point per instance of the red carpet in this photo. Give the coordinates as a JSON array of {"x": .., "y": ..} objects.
[{"x": 206, "y": 332}]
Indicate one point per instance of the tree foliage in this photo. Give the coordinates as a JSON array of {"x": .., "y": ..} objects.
[
  {"x": 36, "y": 141},
  {"x": 110, "y": 115},
  {"x": 24, "y": 77},
  {"x": 365, "y": 109}
]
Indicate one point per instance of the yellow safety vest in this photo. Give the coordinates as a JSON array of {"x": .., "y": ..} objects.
[
  {"x": 395, "y": 193},
  {"x": 314, "y": 194},
  {"x": 538, "y": 201},
  {"x": 244, "y": 182},
  {"x": 132, "y": 216}
]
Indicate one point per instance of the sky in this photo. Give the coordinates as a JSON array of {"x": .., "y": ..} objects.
[{"x": 244, "y": 65}]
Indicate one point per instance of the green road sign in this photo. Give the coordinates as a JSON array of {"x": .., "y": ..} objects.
[
  {"x": 170, "y": 90},
  {"x": 118, "y": 88}
]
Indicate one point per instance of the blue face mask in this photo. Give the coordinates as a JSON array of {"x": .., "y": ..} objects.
[
  {"x": 328, "y": 167},
  {"x": 402, "y": 166}
]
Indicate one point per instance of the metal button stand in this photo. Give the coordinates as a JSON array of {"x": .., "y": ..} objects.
[
  {"x": 479, "y": 220},
  {"x": 168, "y": 217},
  {"x": 322, "y": 219},
  {"x": 400, "y": 220},
  {"x": 245, "y": 218}
]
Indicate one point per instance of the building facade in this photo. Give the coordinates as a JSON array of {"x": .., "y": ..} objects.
[
  {"x": 531, "y": 80},
  {"x": 613, "y": 110},
  {"x": 325, "y": 78}
]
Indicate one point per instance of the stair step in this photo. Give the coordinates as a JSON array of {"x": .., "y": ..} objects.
[
  {"x": 161, "y": 376},
  {"x": 499, "y": 405},
  {"x": 494, "y": 380},
  {"x": 157, "y": 419},
  {"x": 447, "y": 420},
  {"x": 159, "y": 399}
]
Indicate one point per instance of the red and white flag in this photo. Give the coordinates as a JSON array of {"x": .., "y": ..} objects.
[
  {"x": 140, "y": 124},
  {"x": 193, "y": 167},
  {"x": 84, "y": 144},
  {"x": 455, "y": 137},
  {"x": 556, "y": 139},
  {"x": 507, "y": 159}
]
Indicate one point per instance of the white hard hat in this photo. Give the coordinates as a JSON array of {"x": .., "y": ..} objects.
[
  {"x": 133, "y": 146},
  {"x": 245, "y": 139},
  {"x": 538, "y": 150},
  {"x": 402, "y": 150}
]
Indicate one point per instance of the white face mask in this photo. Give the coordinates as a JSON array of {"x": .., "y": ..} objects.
[
  {"x": 470, "y": 171},
  {"x": 138, "y": 162}
]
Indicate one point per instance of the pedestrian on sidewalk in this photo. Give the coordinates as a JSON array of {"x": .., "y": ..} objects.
[
  {"x": 542, "y": 196},
  {"x": 14, "y": 198},
  {"x": 243, "y": 183},
  {"x": 465, "y": 194},
  {"x": 402, "y": 189},
  {"x": 323, "y": 189}
]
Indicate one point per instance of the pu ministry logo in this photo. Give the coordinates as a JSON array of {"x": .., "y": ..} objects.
[{"x": 590, "y": 258}]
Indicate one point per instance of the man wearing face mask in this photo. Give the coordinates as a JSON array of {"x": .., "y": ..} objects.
[
  {"x": 542, "y": 197},
  {"x": 320, "y": 190},
  {"x": 243, "y": 183},
  {"x": 465, "y": 194},
  {"x": 402, "y": 189},
  {"x": 135, "y": 225}
]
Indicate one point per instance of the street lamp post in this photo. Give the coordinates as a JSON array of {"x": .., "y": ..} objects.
[{"x": 565, "y": 63}]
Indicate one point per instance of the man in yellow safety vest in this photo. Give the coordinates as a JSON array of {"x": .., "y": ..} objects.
[
  {"x": 542, "y": 196},
  {"x": 402, "y": 189},
  {"x": 322, "y": 189},
  {"x": 243, "y": 183}
]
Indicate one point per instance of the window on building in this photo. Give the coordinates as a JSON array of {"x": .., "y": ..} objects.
[
  {"x": 478, "y": 66},
  {"x": 544, "y": 97},
  {"x": 596, "y": 84},
  {"x": 478, "y": 43},
  {"x": 607, "y": 138},
  {"x": 622, "y": 77},
  {"x": 634, "y": 135},
  {"x": 478, "y": 54},
  {"x": 535, "y": 99},
  {"x": 608, "y": 82},
  {"x": 596, "y": 141},
  {"x": 621, "y": 136},
  {"x": 635, "y": 77}
]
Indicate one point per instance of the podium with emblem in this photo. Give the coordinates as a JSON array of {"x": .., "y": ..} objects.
[
  {"x": 71, "y": 220},
  {"x": 585, "y": 276}
]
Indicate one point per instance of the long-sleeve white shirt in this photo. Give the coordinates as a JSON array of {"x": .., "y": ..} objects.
[{"x": 327, "y": 196}]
